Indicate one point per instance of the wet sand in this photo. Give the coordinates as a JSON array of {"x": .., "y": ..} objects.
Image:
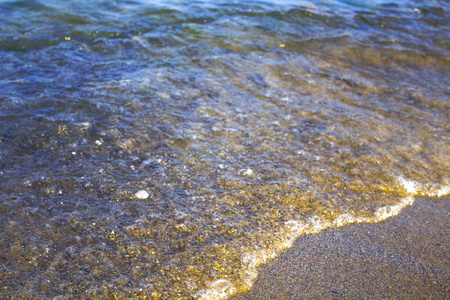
[{"x": 404, "y": 257}]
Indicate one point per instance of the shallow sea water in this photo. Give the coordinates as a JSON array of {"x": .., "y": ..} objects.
[{"x": 164, "y": 149}]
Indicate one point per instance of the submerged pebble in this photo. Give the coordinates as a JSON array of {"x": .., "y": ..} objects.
[
  {"x": 142, "y": 194},
  {"x": 248, "y": 172}
]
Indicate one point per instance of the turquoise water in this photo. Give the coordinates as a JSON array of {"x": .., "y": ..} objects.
[{"x": 164, "y": 149}]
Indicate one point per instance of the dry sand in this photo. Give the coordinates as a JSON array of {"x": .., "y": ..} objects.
[{"x": 404, "y": 257}]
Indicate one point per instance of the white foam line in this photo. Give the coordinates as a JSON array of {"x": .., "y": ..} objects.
[{"x": 222, "y": 289}]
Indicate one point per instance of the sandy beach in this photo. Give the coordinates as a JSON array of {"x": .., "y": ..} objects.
[{"x": 404, "y": 257}]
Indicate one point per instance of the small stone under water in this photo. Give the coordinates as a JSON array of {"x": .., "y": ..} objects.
[{"x": 142, "y": 194}]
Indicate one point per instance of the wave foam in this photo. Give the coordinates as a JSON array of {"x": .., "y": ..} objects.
[{"x": 222, "y": 289}]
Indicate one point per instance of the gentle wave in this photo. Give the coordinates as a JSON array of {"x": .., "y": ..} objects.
[
  {"x": 166, "y": 149},
  {"x": 222, "y": 289}
]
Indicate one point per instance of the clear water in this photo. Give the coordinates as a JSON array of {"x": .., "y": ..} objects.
[{"x": 163, "y": 149}]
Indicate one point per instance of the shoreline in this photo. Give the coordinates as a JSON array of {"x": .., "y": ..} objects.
[{"x": 403, "y": 257}]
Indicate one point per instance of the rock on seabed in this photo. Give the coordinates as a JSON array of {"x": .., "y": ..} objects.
[{"x": 142, "y": 194}]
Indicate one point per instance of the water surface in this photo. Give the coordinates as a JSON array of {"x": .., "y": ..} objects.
[{"x": 165, "y": 148}]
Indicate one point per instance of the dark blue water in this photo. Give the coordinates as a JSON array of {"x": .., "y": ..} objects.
[{"x": 166, "y": 148}]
